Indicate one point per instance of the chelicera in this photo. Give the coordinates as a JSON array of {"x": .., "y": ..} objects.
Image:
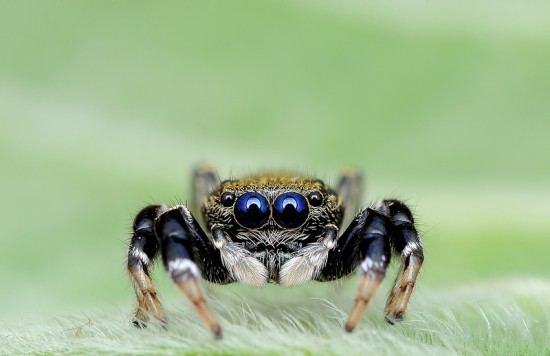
[{"x": 277, "y": 228}]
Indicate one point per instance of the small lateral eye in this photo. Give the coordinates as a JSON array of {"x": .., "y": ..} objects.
[
  {"x": 315, "y": 198},
  {"x": 227, "y": 199}
]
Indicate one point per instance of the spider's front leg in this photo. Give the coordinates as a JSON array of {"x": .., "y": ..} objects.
[
  {"x": 180, "y": 236},
  {"x": 141, "y": 254},
  {"x": 407, "y": 245},
  {"x": 369, "y": 241},
  {"x": 374, "y": 252},
  {"x": 185, "y": 250}
]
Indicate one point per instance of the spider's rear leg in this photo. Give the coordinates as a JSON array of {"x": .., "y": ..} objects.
[
  {"x": 205, "y": 181},
  {"x": 177, "y": 232},
  {"x": 350, "y": 189},
  {"x": 407, "y": 244},
  {"x": 374, "y": 249},
  {"x": 141, "y": 254}
]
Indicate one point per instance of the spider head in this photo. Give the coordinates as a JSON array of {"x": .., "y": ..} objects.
[{"x": 273, "y": 203}]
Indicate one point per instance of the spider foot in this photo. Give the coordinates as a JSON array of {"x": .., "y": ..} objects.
[
  {"x": 176, "y": 235},
  {"x": 368, "y": 287},
  {"x": 190, "y": 287}
]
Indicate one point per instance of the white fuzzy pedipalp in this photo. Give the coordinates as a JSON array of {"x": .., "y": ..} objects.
[
  {"x": 241, "y": 265},
  {"x": 306, "y": 265}
]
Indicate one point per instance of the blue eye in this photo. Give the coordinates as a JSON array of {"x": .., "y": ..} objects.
[
  {"x": 252, "y": 210},
  {"x": 290, "y": 210}
]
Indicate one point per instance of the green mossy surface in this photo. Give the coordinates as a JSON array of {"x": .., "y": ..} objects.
[{"x": 106, "y": 106}]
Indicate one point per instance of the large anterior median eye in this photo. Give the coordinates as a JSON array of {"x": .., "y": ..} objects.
[
  {"x": 290, "y": 210},
  {"x": 252, "y": 210}
]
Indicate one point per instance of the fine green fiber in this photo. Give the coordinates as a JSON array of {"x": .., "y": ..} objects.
[{"x": 501, "y": 317}]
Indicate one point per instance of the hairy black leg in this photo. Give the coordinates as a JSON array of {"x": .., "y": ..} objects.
[
  {"x": 141, "y": 254},
  {"x": 374, "y": 249},
  {"x": 366, "y": 242},
  {"x": 178, "y": 235},
  {"x": 205, "y": 181},
  {"x": 208, "y": 257},
  {"x": 344, "y": 258},
  {"x": 393, "y": 221},
  {"x": 349, "y": 189},
  {"x": 407, "y": 244}
]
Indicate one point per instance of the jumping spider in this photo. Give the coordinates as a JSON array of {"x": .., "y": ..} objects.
[{"x": 274, "y": 228}]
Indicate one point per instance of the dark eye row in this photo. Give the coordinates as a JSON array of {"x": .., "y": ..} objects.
[{"x": 252, "y": 210}]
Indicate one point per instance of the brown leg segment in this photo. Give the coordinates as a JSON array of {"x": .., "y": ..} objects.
[
  {"x": 176, "y": 233},
  {"x": 367, "y": 289},
  {"x": 142, "y": 251},
  {"x": 191, "y": 288},
  {"x": 402, "y": 289},
  {"x": 375, "y": 257},
  {"x": 406, "y": 242},
  {"x": 148, "y": 303}
]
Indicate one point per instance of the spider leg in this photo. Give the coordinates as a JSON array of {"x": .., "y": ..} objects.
[
  {"x": 368, "y": 241},
  {"x": 179, "y": 236},
  {"x": 141, "y": 254},
  {"x": 407, "y": 244},
  {"x": 365, "y": 242},
  {"x": 349, "y": 189},
  {"x": 374, "y": 255},
  {"x": 205, "y": 181}
]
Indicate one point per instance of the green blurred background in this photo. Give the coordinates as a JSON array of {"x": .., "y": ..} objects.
[{"x": 106, "y": 106}]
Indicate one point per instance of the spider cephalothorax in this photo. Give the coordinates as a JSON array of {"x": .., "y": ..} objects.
[
  {"x": 274, "y": 228},
  {"x": 270, "y": 219}
]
